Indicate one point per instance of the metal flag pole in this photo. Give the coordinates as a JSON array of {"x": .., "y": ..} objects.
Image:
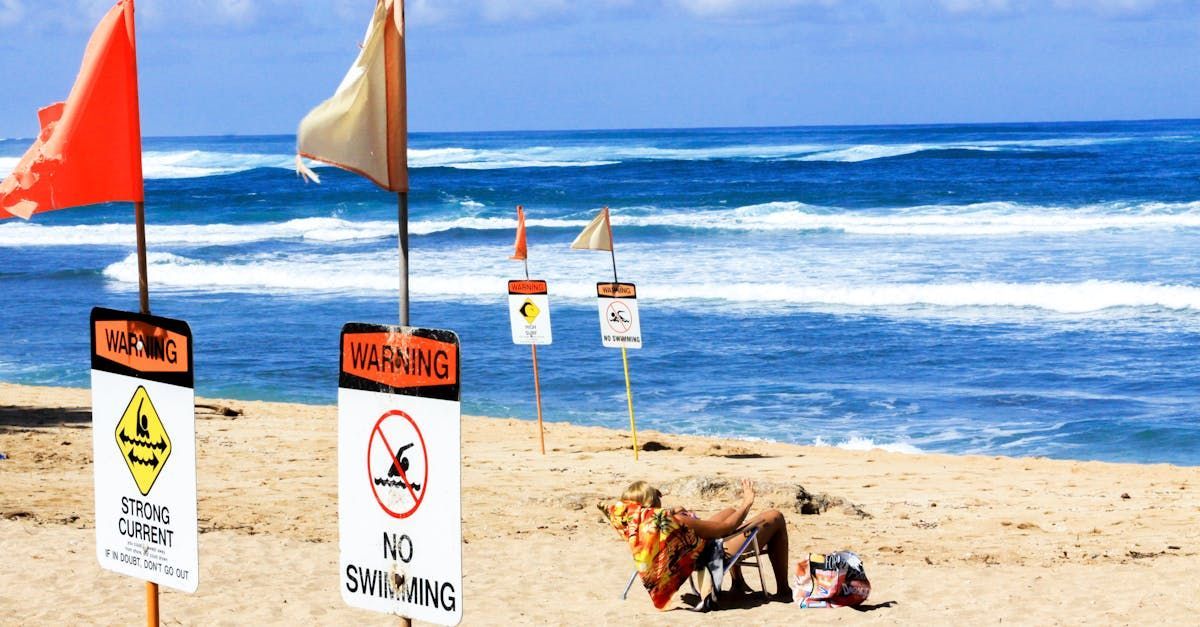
[
  {"x": 402, "y": 201},
  {"x": 398, "y": 91},
  {"x": 612, "y": 249}
]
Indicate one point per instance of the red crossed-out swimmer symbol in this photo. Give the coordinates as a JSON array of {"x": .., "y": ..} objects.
[
  {"x": 391, "y": 472},
  {"x": 619, "y": 318}
]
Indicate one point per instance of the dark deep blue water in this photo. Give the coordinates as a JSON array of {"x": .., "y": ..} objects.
[{"x": 1018, "y": 289}]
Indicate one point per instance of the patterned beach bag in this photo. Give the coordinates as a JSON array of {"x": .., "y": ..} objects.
[{"x": 833, "y": 580}]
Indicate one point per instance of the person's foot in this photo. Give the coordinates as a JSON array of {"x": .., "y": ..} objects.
[
  {"x": 784, "y": 596},
  {"x": 739, "y": 586}
]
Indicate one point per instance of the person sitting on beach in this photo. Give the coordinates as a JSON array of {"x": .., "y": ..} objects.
[{"x": 667, "y": 543}]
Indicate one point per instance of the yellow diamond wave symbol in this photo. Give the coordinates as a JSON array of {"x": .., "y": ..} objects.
[
  {"x": 529, "y": 311},
  {"x": 143, "y": 440}
]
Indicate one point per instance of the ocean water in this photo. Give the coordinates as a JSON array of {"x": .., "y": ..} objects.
[{"x": 1017, "y": 289}]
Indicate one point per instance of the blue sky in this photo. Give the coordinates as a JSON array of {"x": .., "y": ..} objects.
[{"x": 256, "y": 66}]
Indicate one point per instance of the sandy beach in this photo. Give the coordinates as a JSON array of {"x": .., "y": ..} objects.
[{"x": 944, "y": 538}]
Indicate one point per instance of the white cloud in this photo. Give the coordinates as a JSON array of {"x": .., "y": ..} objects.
[
  {"x": 505, "y": 10},
  {"x": 1118, "y": 7},
  {"x": 249, "y": 15},
  {"x": 709, "y": 8},
  {"x": 11, "y": 12},
  {"x": 977, "y": 6},
  {"x": 498, "y": 11},
  {"x": 1100, "y": 7},
  {"x": 236, "y": 11}
]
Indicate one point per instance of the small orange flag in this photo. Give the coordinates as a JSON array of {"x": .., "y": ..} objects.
[
  {"x": 89, "y": 149},
  {"x": 520, "y": 251}
]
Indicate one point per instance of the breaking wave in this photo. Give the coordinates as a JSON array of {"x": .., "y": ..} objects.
[
  {"x": 980, "y": 219},
  {"x": 977, "y": 219},
  {"x": 459, "y": 277},
  {"x": 859, "y": 443},
  {"x": 7, "y": 164},
  {"x": 157, "y": 164}
]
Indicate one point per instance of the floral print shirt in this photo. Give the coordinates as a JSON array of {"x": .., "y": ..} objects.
[{"x": 664, "y": 550}]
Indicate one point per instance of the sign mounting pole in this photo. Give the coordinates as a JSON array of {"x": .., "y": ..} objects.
[
  {"x": 402, "y": 202},
  {"x": 139, "y": 218},
  {"x": 624, "y": 356},
  {"x": 537, "y": 386},
  {"x": 402, "y": 196}
]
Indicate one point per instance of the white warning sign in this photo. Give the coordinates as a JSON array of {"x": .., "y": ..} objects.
[
  {"x": 399, "y": 472},
  {"x": 619, "y": 323},
  {"x": 529, "y": 312},
  {"x": 144, "y": 448}
]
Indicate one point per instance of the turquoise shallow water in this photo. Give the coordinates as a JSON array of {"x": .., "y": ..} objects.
[{"x": 1022, "y": 289}]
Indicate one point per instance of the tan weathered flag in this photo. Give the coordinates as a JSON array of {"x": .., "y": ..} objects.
[
  {"x": 363, "y": 126},
  {"x": 597, "y": 235}
]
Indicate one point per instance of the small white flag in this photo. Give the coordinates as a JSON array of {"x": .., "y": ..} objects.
[
  {"x": 597, "y": 235},
  {"x": 363, "y": 126}
]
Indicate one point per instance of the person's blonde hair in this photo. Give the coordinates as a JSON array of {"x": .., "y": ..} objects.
[{"x": 643, "y": 493}]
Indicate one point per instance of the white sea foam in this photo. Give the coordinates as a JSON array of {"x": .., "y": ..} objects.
[
  {"x": 500, "y": 159},
  {"x": 472, "y": 274},
  {"x": 1072, "y": 298},
  {"x": 181, "y": 164},
  {"x": 977, "y": 219},
  {"x": 859, "y": 443},
  {"x": 19, "y": 234},
  {"x": 995, "y": 219},
  {"x": 7, "y": 164},
  {"x": 175, "y": 164},
  {"x": 350, "y": 272},
  {"x": 868, "y": 152},
  {"x": 14, "y": 233},
  {"x": 198, "y": 163}
]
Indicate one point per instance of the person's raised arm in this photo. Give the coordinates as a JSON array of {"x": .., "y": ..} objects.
[{"x": 725, "y": 524}]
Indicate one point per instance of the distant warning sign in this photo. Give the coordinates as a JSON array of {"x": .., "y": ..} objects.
[
  {"x": 619, "y": 324},
  {"x": 399, "y": 472},
  {"x": 144, "y": 447},
  {"x": 529, "y": 312}
]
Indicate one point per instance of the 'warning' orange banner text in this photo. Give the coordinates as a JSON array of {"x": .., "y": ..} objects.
[
  {"x": 398, "y": 360},
  {"x": 526, "y": 287},
  {"x": 141, "y": 346},
  {"x": 616, "y": 290}
]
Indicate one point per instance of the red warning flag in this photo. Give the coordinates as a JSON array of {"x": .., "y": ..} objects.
[
  {"x": 520, "y": 250},
  {"x": 89, "y": 149}
]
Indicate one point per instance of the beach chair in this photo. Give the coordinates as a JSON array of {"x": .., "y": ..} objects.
[{"x": 717, "y": 569}]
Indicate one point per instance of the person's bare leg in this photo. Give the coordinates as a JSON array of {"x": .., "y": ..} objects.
[
  {"x": 732, "y": 543},
  {"x": 729, "y": 515},
  {"x": 773, "y": 536}
]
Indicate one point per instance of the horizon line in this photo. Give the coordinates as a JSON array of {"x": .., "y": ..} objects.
[{"x": 697, "y": 128}]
